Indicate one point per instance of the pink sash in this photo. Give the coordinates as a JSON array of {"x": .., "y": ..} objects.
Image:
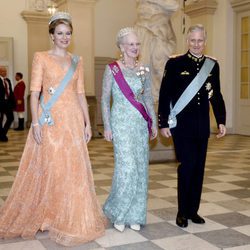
[{"x": 128, "y": 93}]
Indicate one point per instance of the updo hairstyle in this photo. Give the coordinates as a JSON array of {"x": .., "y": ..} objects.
[{"x": 122, "y": 33}]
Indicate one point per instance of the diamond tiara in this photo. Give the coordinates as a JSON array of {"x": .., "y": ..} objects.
[
  {"x": 124, "y": 31},
  {"x": 60, "y": 15}
]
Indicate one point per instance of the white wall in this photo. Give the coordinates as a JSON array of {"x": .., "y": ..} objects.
[
  {"x": 223, "y": 47},
  {"x": 13, "y": 25},
  {"x": 110, "y": 17}
]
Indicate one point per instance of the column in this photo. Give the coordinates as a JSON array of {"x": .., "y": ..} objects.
[
  {"x": 38, "y": 40},
  {"x": 38, "y": 33},
  {"x": 202, "y": 11}
]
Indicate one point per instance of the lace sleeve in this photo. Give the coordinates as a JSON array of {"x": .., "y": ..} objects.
[
  {"x": 106, "y": 96},
  {"x": 37, "y": 72},
  {"x": 148, "y": 99}
]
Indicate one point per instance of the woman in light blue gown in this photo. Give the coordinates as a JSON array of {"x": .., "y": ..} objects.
[{"x": 128, "y": 124}]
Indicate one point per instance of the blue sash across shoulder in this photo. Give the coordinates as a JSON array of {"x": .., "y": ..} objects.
[
  {"x": 46, "y": 115},
  {"x": 190, "y": 92}
]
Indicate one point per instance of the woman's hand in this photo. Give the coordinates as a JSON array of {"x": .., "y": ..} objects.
[
  {"x": 108, "y": 135},
  {"x": 37, "y": 133},
  {"x": 154, "y": 134},
  {"x": 87, "y": 133},
  {"x": 36, "y": 129}
]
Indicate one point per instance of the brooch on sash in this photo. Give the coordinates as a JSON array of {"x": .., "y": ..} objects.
[
  {"x": 51, "y": 91},
  {"x": 115, "y": 70},
  {"x": 48, "y": 119}
]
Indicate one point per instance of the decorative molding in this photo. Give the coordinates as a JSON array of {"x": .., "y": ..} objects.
[
  {"x": 42, "y": 5},
  {"x": 202, "y": 7},
  {"x": 37, "y": 5},
  {"x": 85, "y": 1},
  {"x": 60, "y": 2},
  {"x": 240, "y": 5},
  {"x": 34, "y": 16},
  {"x": 7, "y": 55}
]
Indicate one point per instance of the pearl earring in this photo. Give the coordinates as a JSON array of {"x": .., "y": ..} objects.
[{"x": 122, "y": 57}]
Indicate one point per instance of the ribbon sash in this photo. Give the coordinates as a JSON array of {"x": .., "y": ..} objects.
[
  {"x": 46, "y": 115},
  {"x": 190, "y": 92},
  {"x": 128, "y": 93}
]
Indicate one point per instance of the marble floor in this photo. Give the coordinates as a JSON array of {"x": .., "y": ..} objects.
[{"x": 225, "y": 200}]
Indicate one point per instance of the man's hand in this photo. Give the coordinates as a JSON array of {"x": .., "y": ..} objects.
[
  {"x": 165, "y": 132},
  {"x": 222, "y": 131}
]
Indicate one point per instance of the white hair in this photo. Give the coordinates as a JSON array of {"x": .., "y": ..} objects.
[{"x": 122, "y": 33}]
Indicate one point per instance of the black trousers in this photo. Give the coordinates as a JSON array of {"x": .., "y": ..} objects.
[
  {"x": 191, "y": 153},
  {"x": 7, "y": 111}
]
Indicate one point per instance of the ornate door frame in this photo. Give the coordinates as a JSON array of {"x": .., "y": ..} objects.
[{"x": 7, "y": 56}]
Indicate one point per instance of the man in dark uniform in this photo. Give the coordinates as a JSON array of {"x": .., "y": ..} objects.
[
  {"x": 7, "y": 104},
  {"x": 191, "y": 133}
]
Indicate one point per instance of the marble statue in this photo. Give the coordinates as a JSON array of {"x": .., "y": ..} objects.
[{"x": 156, "y": 34}]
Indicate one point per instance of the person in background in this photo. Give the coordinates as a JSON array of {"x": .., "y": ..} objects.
[
  {"x": 19, "y": 91},
  {"x": 7, "y": 104},
  {"x": 190, "y": 82}
]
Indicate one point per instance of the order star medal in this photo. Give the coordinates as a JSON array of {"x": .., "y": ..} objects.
[{"x": 208, "y": 86}]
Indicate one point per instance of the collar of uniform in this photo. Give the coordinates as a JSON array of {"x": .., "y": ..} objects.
[{"x": 194, "y": 58}]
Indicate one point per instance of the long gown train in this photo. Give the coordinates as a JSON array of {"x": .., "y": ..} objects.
[{"x": 54, "y": 189}]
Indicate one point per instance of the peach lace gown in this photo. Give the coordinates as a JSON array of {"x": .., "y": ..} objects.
[{"x": 54, "y": 189}]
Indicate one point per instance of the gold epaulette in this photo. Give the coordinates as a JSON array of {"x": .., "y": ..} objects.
[
  {"x": 213, "y": 58},
  {"x": 176, "y": 55}
]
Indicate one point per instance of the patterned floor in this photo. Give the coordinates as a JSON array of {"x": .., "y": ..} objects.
[{"x": 225, "y": 200}]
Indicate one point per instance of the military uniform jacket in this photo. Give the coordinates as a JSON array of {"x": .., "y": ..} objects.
[
  {"x": 193, "y": 120},
  {"x": 6, "y": 103}
]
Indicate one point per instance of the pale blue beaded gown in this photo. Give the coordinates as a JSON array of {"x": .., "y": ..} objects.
[{"x": 127, "y": 201}]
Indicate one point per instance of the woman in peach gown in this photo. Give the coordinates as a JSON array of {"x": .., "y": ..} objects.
[{"x": 54, "y": 188}]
